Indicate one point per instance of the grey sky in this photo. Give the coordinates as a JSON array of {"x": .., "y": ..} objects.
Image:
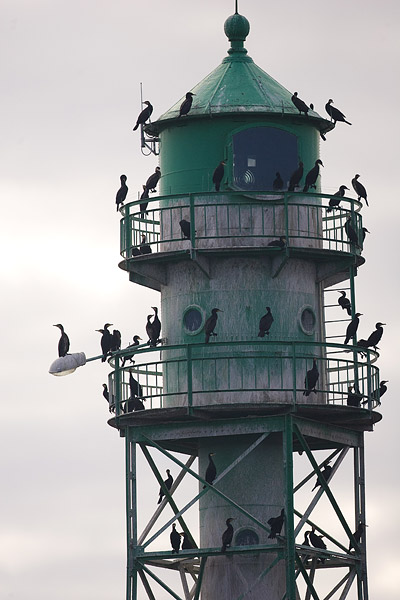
[{"x": 70, "y": 74}]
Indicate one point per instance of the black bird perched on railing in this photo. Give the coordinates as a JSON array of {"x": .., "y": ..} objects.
[
  {"x": 334, "y": 202},
  {"x": 300, "y": 104},
  {"x": 175, "y": 539},
  {"x": 312, "y": 176},
  {"x": 354, "y": 397},
  {"x": 168, "y": 483},
  {"x": 135, "y": 388},
  {"x": 352, "y": 328},
  {"x": 186, "y": 543},
  {"x": 156, "y": 324},
  {"x": 335, "y": 113},
  {"x": 376, "y": 335},
  {"x": 149, "y": 331},
  {"x": 144, "y": 247},
  {"x": 227, "y": 536},
  {"x": 364, "y": 232},
  {"x": 63, "y": 342},
  {"x": 116, "y": 340},
  {"x": 311, "y": 378},
  {"x": 106, "y": 341},
  {"x": 106, "y": 395},
  {"x": 265, "y": 323},
  {"x": 185, "y": 228},
  {"x": 326, "y": 473},
  {"x": 218, "y": 175},
  {"x": 152, "y": 181},
  {"x": 276, "y": 524},
  {"x": 122, "y": 192},
  {"x": 211, "y": 323},
  {"x": 345, "y": 303},
  {"x": 211, "y": 471},
  {"x": 358, "y": 534},
  {"x": 378, "y": 393},
  {"x": 277, "y": 184},
  {"x": 186, "y": 104},
  {"x": 296, "y": 177},
  {"x": 281, "y": 243},
  {"x": 143, "y": 205},
  {"x": 134, "y": 404},
  {"x": 317, "y": 542},
  {"x": 359, "y": 189},
  {"x": 144, "y": 115},
  {"x": 350, "y": 231},
  {"x": 136, "y": 339}
]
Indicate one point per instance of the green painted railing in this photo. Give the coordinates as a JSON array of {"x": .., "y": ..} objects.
[
  {"x": 244, "y": 372},
  {"x": 254, "y": 219}
]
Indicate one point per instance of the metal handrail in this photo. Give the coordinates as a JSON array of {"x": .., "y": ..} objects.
[{"x": 246, "y": 218}]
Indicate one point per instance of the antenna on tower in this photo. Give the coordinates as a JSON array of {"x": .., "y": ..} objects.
[
  {"x": 148, "y": 145},
  {"x": 236, "y": 7}
]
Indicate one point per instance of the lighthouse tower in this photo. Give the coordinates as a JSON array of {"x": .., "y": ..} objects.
[{"x": 247, "y": 400}]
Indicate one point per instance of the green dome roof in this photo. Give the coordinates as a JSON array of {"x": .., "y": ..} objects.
[{"x": 238, "y": 86}]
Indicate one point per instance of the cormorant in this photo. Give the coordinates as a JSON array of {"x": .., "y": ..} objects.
[
  {"x": 185, "y": 228},
  {"x": 211, "y": 471},
  {"x": 186, "y": 104},
  {"x": 311, "y": 378},
  {"x": 152, "y": 181},
  {"x": 136, "y": 339},
  {"x": 350, "y": 231},
  {"x": 334, "y": 113},
  {"x": 364, "y": 232},
  {"x": 106, "y": 341},
  {"x": 312, "y": 176},
  {"x": 63, "y": 343},
  {"x": 345, "y": 303},
  {"x": 352, "y": 328},
  {"x": 277, "y": 184},
  {"x": 317, "y": 542},
  {"x": 281, "y": 243},
  {"x": 116, "y": 340},
  {"x": 144, "y": 115},
  {"x": 156, "y": 324},
  {"x": 218, "y": 175},
  {"x": 210, "y": 324},
  {"x": 175, "y": 539},
  {"x": 106, "y": 394},
  {"x": 359, "y": 189},
  {"x": 326, "y": 472},
  {"x": 376, "y": 335},
  {"x": 296, "y": 177},
  {"x": 306, "y": 543},
  {"x": 334, "y": 202},
  {"x": 354, "y": 397},
  {"x": 145, "y": 248},
  {"x": 358, "y": 534},
  {"x": 265, "y": 323},
  {"x": 227, "y": 536},
  {"x": 135, "y": 252},
  {"x": 135, "y": 388},
  {"x": 186, "y": 543},
  {"x": 134, "y": 404},
  {"x": 377, "y": 394},
  {"x": 149, "y": 331},
  {"x": 276, "y": 524},
  {"x": 143, "y": 205},
  {"x": 122, "y": 192},
  {"x": 168, "y": 483},
  {"x": 300, "y": 105}
]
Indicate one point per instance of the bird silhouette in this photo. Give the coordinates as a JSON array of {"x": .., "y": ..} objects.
[
  {"x": 281, "y": 243},
  {"x": 300, "y": 104},
  {"x": 122, "y": 192},
  {"x": 218, "y": 175},
  {"x": 311, "y": 378},
  {"x": 276, "y": 524},
  {"x": 211, "y": 324},
  {"x": 317, "y": 542},
  {"x": 227, "y": 536},
  {"x": 185, "y": 228},
  {"x": 352, "y": 328},
  {"x": 277, "y": 184},
  {"x": 359, "y": 189},
  {"x": 376, "y": 335},
  {"x": 143, "y": 205},
  {"x": 211, "y": 471},
  {"x": 106, "y": 341},
  {"x": 326, "y": 473},
  {"x": 312, "y": 176},
  {"x": 350, "y": 231},
  {"x": 335, "y": 113},
  {"x": 144, "y": 115},
  {"x": 334, "y": 202},
  {"x": 175, "y": 540},
  {"x": 186, "y": 104},
  {"x": 63, "y": 342},
  {"x": 345, "y": 303},
  {"x": 265, "y": 323},
  {"x": 296, "y": 177},
  {"x": 168, "y": 483},
  {"x": 152, "y": 181}
]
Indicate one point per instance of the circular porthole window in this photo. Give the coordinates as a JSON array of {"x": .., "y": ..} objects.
[
  {"x": 193, "y": 320},
  {"x": 246, "y": 537},
  {"x": 307, "y": 320}
]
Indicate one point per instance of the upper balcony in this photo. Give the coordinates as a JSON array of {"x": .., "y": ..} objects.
[{"x": 237, "y": 222}]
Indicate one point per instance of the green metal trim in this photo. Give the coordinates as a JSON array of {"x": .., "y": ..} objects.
[
  {"x": 306, "y": 578},
  {"x": 200, "y": 577},
  {"x": 289, "y": 504},
  {"x": 147, "y": 557},
  {"x": 161, "y": 583},
  {"x": 312, "y": 474},
  {"x": 260, "y": 577}
]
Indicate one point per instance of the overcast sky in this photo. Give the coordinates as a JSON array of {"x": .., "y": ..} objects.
[{"x": 70, "y": 74}]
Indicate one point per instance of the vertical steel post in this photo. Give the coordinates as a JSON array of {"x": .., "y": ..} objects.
[{"x": 289, "y": 508}]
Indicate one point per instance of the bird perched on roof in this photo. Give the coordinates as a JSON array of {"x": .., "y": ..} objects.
[
  {"x": 352, "y": 327},
  {"x": 185, "y": 228},
  {"x": 326, "y": 473},
  {"x": 106, "y": 340},
  {"x": 334, "y": 113},
  {"x": 144, "y": 247},
  {"x": 377, "y": 394},
  {"x": 299, "y": 104},
  {"x": 345, "y": 303},
  {"x": 353, "y": 397},
  {"x": 359, "y": 189},
  {"x": 211, "y": 323},
  {"x": 175, "y": 539},
  {"x": 277, "y": 184},
  {"x": 122, "y": 192},
  {"x": 281, "y": 243},
  {"x": 276, "y": 524},
  {"x": 211, "y": 471},
  {"x": 152, "y": 181},
  {"x": 312, "y": 176},
  {"x": 63, "y": 342},
  {"x": 144, "y": 115},
  {"x": 350, "y": 231},
  {"x": 296, "y": 177},
  {"x": 227, "y": 536},
  {"x": 358, "y": 534},
  {"x": 317, "y": 542},
  {"x": 311, "y": 378},
  {"x": 218, "y": 175},
  {"x": 265, "y": 323},
  {"x": 186, "y": 543},
  {"x": 143, "y": 205},
  {"x": 376, "y": 336},
  {"x": 116, "y": 340},
  {"x": 168, "y": 483},
  {"x": 334, "y": 202},
  {"x": 186, "y": 104}
]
